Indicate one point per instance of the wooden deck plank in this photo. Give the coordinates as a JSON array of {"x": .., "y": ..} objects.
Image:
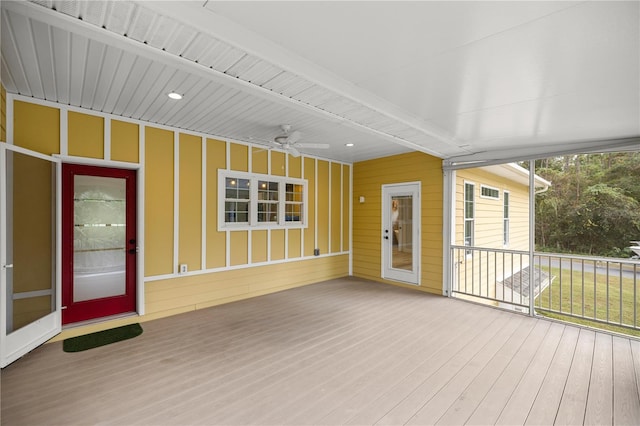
[
  {"x": 381, "y": 405},
  {"x": 599, "y": 410},
  {"x": 493, "y": 403},
  {"x": 635, "y": 351},
  {"x": 380, "y": 381},
  {"x": 373, "y": 373},
  {"x": 483, "y": 346},
  {"x": 574, "y": 399},
  {"x": 466, "y": 403},
  {"x": 347, "y": 358},
  {"x": 626, "y": 399},
  {"x": 547, "y": 401},
  {"x": 432, "y": 410},
  {"x": 343, "y": 351},
  {"x": 520, "y": 403},
  {"x": 452, "y": 392}
]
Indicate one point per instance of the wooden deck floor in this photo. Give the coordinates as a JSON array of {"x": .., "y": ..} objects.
[{"x": 340, "y": 352}]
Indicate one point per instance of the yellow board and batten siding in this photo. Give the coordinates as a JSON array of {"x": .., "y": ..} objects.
[
  {"x": 368, "y": 178},
  {"x": 158, "y": 222},
  {"x": 190, "y": 212},
  {"x": 283, "y": 258}
]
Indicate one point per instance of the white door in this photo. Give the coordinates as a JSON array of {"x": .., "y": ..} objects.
[
  {"x": 29, "y": 251},
  {"x": 401, "y": 232}
]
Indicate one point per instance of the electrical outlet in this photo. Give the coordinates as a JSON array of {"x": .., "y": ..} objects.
[{"x": 183, "y": 268}]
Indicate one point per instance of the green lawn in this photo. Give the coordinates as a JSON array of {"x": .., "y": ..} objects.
[{"x": 595, "y": 300}]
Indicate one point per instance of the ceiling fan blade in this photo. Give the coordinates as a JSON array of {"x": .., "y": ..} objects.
[
  {"x": 313, "y": 145},
  {"x": 293, "y": 137},
  {"x": 294, "y": 152}
]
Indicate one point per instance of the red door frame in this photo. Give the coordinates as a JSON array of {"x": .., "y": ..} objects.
[{"x": 97, "y": 308}]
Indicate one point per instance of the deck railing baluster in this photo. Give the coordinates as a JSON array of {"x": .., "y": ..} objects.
[{"x": 552, "y": 270}]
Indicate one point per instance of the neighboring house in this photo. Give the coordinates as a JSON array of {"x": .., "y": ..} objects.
[{"x": 492, "y": 212}]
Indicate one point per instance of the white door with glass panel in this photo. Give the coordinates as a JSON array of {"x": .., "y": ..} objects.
[
  {"x": 401, "y": 232},
  {"x": 29, "y": 251}
]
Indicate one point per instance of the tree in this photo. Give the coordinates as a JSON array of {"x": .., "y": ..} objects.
[{"x": 593, "y": 206}]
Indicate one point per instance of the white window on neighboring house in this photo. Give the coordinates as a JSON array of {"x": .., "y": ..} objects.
[
  {"x": 469, "y": 213},
  {"x": 489, "y": 192},
  {"x": 505, "y": 220},
  {"x": 250, "y": 200}
]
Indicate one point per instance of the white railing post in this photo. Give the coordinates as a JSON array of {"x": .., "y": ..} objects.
[
  {"x": 448, "y": 228},
  {"x": 532, "y": 234}
]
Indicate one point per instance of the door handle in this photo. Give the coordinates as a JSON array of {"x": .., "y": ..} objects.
[
  {"x": 134, "y": 250},
  {"x": 7, "y": 266}
]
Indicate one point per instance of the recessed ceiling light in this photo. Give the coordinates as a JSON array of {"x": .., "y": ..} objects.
[
  {"x": 349, "y": 144},
  {"x": 174, "y": 95}
]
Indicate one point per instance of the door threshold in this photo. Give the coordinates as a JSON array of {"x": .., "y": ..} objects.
[{"x": 99, "y": 320}]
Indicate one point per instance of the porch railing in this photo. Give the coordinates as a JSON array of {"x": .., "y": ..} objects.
[{"x": 585, "y": 288}]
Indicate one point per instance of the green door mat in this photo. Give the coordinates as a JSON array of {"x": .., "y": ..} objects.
[{"x": 101, "y": 338}]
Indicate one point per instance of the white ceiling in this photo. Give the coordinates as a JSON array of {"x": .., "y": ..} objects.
[{"x": 459, "y": 80}]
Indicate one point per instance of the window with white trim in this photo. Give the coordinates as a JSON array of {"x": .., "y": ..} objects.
[
  {"x": 505, "y": 220},
  {"x": 469, "y": 213},
  {"x": 489, "y": 192},
  {"x": 250, "y": 200}
]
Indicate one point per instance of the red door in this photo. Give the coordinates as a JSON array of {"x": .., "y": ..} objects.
[{"x": 99, "y": 246}]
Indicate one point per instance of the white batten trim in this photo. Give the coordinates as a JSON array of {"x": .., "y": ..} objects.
[
  {"x": 329, "y": 208},
  {"x": 351, "y": 221},
  {"x": 286, "y": 243},
  {"x": 9, "y": 118},
  {"x": 107, "y": 138},
  {"x": 341, "y": 208},
  {"x": 315, "y": 207},
  {"x": 227, "y": 239},
  {"x": 203, "y": 204},
  {"x": 268, "y": 245},
  {"x": 306, "y": 210},
  {"x": 268, "y": 162},
  {"x": 176, "y": 199},
  {"x": 140, "y": 300},
  {"x": 64, "y": 132}
]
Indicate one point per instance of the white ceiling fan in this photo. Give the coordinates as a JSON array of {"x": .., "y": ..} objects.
[{"x": 288, "y": 141}]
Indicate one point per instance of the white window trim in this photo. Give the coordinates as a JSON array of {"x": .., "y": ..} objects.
[
  {"x": 253, "y": 223},
  {"x": 487, "y": 196}
]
